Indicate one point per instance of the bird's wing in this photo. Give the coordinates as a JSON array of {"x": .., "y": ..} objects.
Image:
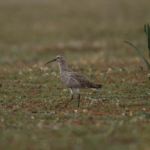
[{"x": 79, "y": 81}]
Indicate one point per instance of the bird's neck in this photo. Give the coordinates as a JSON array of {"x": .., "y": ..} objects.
[{"x": 62, "y": 66}]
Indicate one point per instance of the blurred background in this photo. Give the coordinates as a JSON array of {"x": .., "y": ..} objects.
[{"x": 34, "y": 31}]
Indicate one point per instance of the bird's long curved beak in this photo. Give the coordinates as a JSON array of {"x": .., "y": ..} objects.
[{"x": 51, "y": 61}]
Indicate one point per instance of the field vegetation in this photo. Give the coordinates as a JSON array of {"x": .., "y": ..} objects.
[{"x": 91, "y": 35}]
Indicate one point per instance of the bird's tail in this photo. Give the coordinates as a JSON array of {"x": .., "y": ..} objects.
[{"x": 99, "y": 86}]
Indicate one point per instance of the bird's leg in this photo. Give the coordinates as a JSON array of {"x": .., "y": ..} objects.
[
  {"x": 78, "y": 91},
  {"x": 70, "y": 99},
  {"x": 78, "y": 100}
]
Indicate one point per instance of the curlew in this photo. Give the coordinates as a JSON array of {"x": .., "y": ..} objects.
[{"x": 73, "y": 80}]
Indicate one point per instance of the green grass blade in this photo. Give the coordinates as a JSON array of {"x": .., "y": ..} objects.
[
  {"x": 145, "y": 30},
  {"x": 139, "y": 53},
  {"x": 148, "y": 33}
]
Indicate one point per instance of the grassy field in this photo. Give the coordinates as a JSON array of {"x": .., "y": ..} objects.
[{"x": 90, "y": 35}]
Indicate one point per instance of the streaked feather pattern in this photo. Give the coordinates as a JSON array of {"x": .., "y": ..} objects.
[{"x": 76, "y": 80}]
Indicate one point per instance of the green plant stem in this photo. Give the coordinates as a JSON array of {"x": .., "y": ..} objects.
[{"x": 139, "y": 54}]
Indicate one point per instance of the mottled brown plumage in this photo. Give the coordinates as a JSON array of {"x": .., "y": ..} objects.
[{"x": 73, "y": 80}]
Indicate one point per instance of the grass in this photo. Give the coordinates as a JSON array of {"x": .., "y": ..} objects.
[
  {"x": 147, "y": 31},
  {"x": 90, "y": 35}
]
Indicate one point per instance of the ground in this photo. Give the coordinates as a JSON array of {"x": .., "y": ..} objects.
[{"x": 91, "y": 35}]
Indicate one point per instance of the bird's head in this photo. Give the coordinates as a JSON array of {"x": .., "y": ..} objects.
[{"x": 58, "y": 58}]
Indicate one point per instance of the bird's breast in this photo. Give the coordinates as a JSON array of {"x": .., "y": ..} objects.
[
  {"x": 68, "y": 80},
  {"x": 65, "y": 78}
]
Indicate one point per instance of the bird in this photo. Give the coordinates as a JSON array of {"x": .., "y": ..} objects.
[{"x": 73, "y": 80}]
